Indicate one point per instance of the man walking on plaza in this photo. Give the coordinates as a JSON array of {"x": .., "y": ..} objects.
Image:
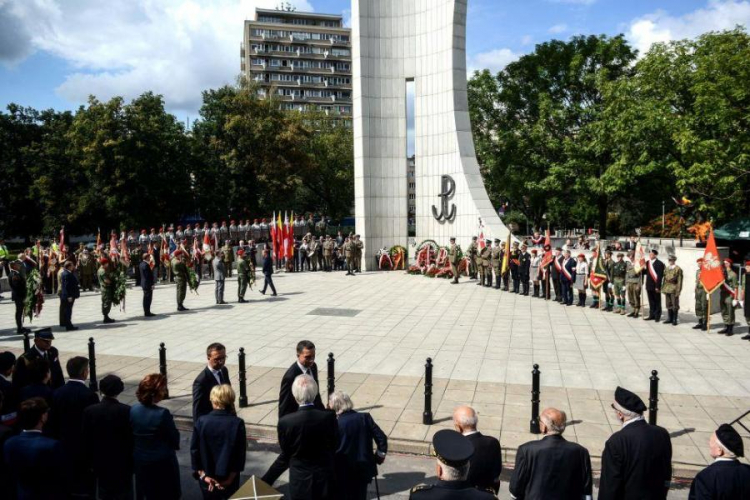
[
  {"x": 180, "y": 274},
  {"x": 453, "y": 259},
  {"x": 147, "y": 284},
  {"x": 243, "y": 276},
  {"x": 637, "y": 460},
  {"x": 654, "y": 272},
  {"x": 728, "y": 296},
  {"x": 633, "y": 282},
  {"x": 268, "y": 273},
  {"x": 107, "y": 283},
  {"x": 671, "y": 288},
  {"x": 726, "y": 478},
  {"x": 69, "y": 292}
]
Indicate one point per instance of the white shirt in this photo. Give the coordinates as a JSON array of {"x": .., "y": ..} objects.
[
  {"x": 636, "y": 419},
  {"x": 724, "y": 459},
  {"x": 469, "y": 433},
  {"x": 76, "y": 380},
  {"x": 305, "y": 371},
  {"x": 217, "y": 374}
]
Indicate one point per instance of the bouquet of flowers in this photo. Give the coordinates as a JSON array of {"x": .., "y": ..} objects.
[
  {"x": 193, "y": 281},
  {"x": 32, "y": 304},
  {"x": 120, "y": 289},
  {"x": 399, "y": 257}
]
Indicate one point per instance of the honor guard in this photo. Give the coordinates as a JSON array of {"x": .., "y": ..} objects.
[
  {"x": 515, "y": 262},
  {"x": 189, "y": 234},
  {"x": 243, "y": 230},
  {"x": 107, "y": 283},
  {"x": 701, "y": 298},
  {"x": 179, "y": 234},
  {"x": 180, "y": 274},
  {"x": 359, "y": 250},
  {"x": 228, "y": 257},
  {"x": 496, "y": 260},
  {"x": 243, "y": 276},
  {"x": 473, "y": 251},
  {"x": 328, "y": 254},
  {"x": 233, "y": 234},
  {"x": 671, "y": 288},
  {"x": 454, "y": 257},
  {"x": 348, "y": 253},
  {"x": 485, "y": 271},
  {"x": 143, "y": 240},
  {"x": 556, "y": 272},
  {"x": 633, "y": 283},
  {"x": 728, "y": 297},
  {"x": 619, "y": 277},
  {"x": 255, "y": 230},
  {"x": 608, "y": 286}
]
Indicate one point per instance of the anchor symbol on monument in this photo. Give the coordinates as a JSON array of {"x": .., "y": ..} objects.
[{"x": 449, "y": 188}]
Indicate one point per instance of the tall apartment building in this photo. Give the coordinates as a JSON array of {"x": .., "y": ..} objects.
[{"x": 304, "y": 59}]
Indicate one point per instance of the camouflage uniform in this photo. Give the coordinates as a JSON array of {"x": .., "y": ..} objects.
[
  {"x": 453, "y": 258},
  {"x": 727, "y": 302},
  {"x": 473, "y": 251},
  {"x": 701, "y": 299},
  {"x": 486, "y": 270},
  {"x": 671, "y": 288},
  {"x": 107, "y": 287},
  {"x": 619, "y": 274},
  {"x": 180, "y": 273},
  {"x": 496, "y": 260},
  {"x": 243, "y": 277},
  {"x": 633, "y": 283}
]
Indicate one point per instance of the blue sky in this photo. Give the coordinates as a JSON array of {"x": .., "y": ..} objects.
[{"x": 54, "y": 53}]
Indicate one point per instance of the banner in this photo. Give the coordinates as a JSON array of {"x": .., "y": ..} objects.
[
  {"x": 598, "y": 274},
  {"x": 712, "y": 274}
]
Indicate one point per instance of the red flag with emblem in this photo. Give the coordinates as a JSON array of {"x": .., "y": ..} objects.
[
  {"x": 548, "y": 257},
  {"x": 712, "y": 274},
  {"x": 598, "y": 274}
]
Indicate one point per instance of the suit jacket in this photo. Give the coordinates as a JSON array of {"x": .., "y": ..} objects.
[
  {"x": 204, "y": 382},
  {"x": 21, "y": 377},
  {"x": 66, "y": 418},
  {"x": 722, "y": 480},
  {"x": 636, "y": 463},
  {"x": 10, "y": 400},
  {"x": 658, "y": 268},
  {"x": 309, "y": 438},
  {"x": 357, "y": 431},
  {"x": 486, "y": 463},
  {"x": 287, "y": 403},
  {"x": 267, "y": 266},
  {"x": 69, "y": 286},
  {"x": 38, "y": 390},
  {"x": 155, "y": 436},
  {"x": 109, "y": 441},
  {"x": 570, "y": 266},
  {"x": 219, "y": 444},
  {"x": 551, "y": 468},
  {"x": 29, "y": 453},
  {"x": 147, "y": 275},
  {"x": 17, "y": 286},
  {"x": 219, "y": 269},
  {"x": 449, "y": 490}
]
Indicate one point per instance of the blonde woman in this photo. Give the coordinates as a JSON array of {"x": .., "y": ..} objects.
[{"x": 218, "y": 446}]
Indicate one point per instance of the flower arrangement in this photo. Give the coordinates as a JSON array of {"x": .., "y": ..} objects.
[{"x": 32, "y": 304}]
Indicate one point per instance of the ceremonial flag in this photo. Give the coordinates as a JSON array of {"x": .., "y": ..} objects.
[
  {"x": 506, "y": 257},
  {"x": 279, "y": 235},
  {"x": 548, "y": 257},
  {"x": 598, "y": 274},
  {"x": 639, "y": 262},
  {"x": 285, "y": 236},
  {"x": 172, "y": 247},
  {"x": 124, "y": 253},
  {"x": 290, "y": 234},
  {"x": 273, "y": 235},
  {"x": 712, "y": 274},
  {"x": 62, "y": 239},
  {"x": 206, "y": 242},
  {"x": 151, "y": 261},
  {"x": 112, "y": 242},
  {"x": 98, "y": 239}
]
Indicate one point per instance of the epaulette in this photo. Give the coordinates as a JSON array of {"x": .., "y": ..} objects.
[{"x": 421, "y": 487}]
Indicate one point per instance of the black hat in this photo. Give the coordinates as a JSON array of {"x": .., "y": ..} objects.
[
  {"x": 111, "y": 385},
  {"x": 672, "y": 257},
  {"x": 44, "y": 334},
  {"x": 629, "y": 401},
  {"x": 497, "y": 240},
  {"x": 730, "y": 439},
  {"x": 473, "y": 237},
  {"x": 654, "y": 251},
  {"x": 452, "y": 448},
  {"x": 453, "y": 238}
]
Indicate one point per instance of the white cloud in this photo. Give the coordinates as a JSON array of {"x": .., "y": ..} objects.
[
  {"x": 558, "y": 28},
  {"x": 661, "y": 27},
  {"x": 494, "y": 60},
  {"x": 177, "y": 48}
]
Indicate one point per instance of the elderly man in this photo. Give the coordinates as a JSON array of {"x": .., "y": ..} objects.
[
  {"x": 552, "y": 465},
  {"x": 453, "y": 452},
  {"x": 726, "y": 478},
  {"x": 487, "y": 462},
  {"x": 637, "y": 460},
  {"x": 309, "y": 438}
]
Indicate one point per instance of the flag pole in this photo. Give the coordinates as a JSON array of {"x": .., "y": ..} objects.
[{"x": 708, "y": 315}]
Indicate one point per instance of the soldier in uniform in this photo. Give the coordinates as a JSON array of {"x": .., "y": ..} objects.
[
  {"x": 233, "y": 235},
  {"x": 179, "y": 234},
  {"x": 358, "y": 247},
  {"x": 263, "y": 231},
  {"x": 180, "y": 273},
  {"x": 328, "y": 253},
  {"x": 243, "y": 276},
  {"x": 106, "y": 276},
  {"x": 726, "y": 478},
  {"x": 524, "y": 269},
  {"x": 515, "y": 262},
  {"x": 143, "y": 241},
  {"x": 321, "y": 226},
  {"x": 223, "y": 231},
  {"x": 313, "y": 253},
  {"x": 671, "y": 288},
  {"x": 728, "y": 296},
  {"x": 633, "y": 283},
  {"x": 453, "y": 451},
  {"x": 188, "y": 234},
  {"x": 199, "y": 232},
  {"x": 473, "y": 251},
  {"x": 637, "y": 460},
  {"x": 243, "y": 229},
  {"x": 556, "y": 272},
  {"x": 485, "y": 271},
  {"x": 454, "y": 259},
  {"x": 608, "y": 286},
  {"x": 228, "y": 257},
  {"x": 496, "y": 259},
  {"x": 42, "y": 349},
  {"x": 349, "y": 253},
  {"x": 87, "y": 268},
  {"x": 701, "y": 298},
  {"x": 619, "y": 275}
]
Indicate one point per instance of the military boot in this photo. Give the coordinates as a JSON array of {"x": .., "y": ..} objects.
[
  {"x": 669, "y": 317},
  {"x": 675, "y": 317},
  {"x": 699, "y": 326},
  {"x": 724, "y": 330},
  {"x": 730, "y": 331}
]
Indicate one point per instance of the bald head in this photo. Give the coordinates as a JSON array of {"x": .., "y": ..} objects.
[
  {"x": 465, "y": 419},
  {"x": 552, "y": 421}
]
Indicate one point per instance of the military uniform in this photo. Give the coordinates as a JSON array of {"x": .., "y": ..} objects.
[
  {"x": 496, "y": 260},
  {"x": 107, "y": 284},
  {"x": 233, "y": 232},
  {"x": 619, "y": 277},
  {"x": 358, "y": 247},
  {"x": 313, "y": 252},
  {"x": 454, "y": 252},
  {"x": 228, "y": 259},
  {"x": 524, "y": 270},
  {"x": 180, "y": 273},
  {"x": 728, "y": 296},
  {"x": 348, "y": 253},
  {"x": 87, "y": 269},
  {"x": 243, "y": 276},
  {"x": 671, "y": 288},
  {"x": 473, "y": 251},
  {"x": 515, "y": 262},
  {"x": 633, "y": 283},
  {"x": 608, "y": 286},
  {"x": 328, "y": 254},
  {"x": 485, "y": 270},
  {"x": 701, "y": 300}
]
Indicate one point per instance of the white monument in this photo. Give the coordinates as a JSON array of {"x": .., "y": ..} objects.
[{"x": 424, "y": 41}]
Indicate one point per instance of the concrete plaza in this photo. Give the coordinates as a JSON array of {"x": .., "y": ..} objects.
[{"x": 382, "y": 326}]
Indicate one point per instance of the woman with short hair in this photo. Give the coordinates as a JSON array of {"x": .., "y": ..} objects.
[
  {"x": 355, "y": 462},
  {"x": 219, "y": 446},
  {"x": 157, "y": 474},
  {"x": 582, "y": 276}
]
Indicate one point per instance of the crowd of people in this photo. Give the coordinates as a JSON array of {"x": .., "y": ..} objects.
[
  {"x": 613, "y": 281},
  {"x": 87, "y": 447}
]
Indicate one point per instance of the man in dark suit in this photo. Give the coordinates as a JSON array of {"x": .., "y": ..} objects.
[
  {"x": 212, "y": 375},
  {"x": 267, "y": 273},
  {"x": 726, "y": 478},
  {"x": 551, "y": 467},
  {"x": 305, "y": 364},
  {"x": 17, "y": 281},
  {"x": 309, "y": 437},
  {"x": 10, "y": 394},
  {"x": 654, "y": 272},
  {"x": 31, "y": 452},
  {"x": 637, "y": 460},
  {"x": 109, "y": 441},
  {"x": 147, "y": 284},
  {"x": 66, "y": 423},
  {"x": 69, "y": 292},
  {"x": 487, "y": 462},
  {"x": 42, "y": 348},
  {"x": 567, "y": 278}
]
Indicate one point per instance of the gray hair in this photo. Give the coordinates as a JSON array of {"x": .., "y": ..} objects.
[
  {"x": 727, "y": 452},
  {"x": 304, "y": 389},
  {"x": 552, "y": 426},
  {"x": 629, "y": 415},
  {"x": 454, "y": 473},
  {"x": 340, "y": 402},
  {"x": 469, "y": 421}
]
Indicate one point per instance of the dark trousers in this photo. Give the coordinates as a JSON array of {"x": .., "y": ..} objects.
[
  {"x": 277, "y": 468},
  {"x": 556, "y": 286},
  {"x": 525, "y": 284},
  {"x": 654, "y": 304},
  {"x": 268, "y": 281},
  {"x": 567, "y": 292},
  {"x": 115, "y": 491},
  {"x": 148, "y": 296},
  {"x": 19, "y": 313},
  {"x": 66, "y": 312}
]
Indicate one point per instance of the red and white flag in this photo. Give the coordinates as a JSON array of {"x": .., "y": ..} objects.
[{"x": 712, "y": 273}]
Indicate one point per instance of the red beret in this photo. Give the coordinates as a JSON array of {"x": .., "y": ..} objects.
[
  {"x": 581, "y": 255},
  {"x": 177, "y": 253},
  {"x": 729, "y": 260},
  {"x": 104, "y": 260},
  {"x": 240, "y": 253}
]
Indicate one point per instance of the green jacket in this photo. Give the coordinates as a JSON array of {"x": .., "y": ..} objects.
[
  {"x": 672, "y": 280},
  {"x": 453, "y": 252},
  {"x": 243, "y": 269},
  {"x": 106, "y": 281},
  {"x": 180, "y": 271},
  {"x": 731, "y": 281},
  {"x": 619, "y": 271}
]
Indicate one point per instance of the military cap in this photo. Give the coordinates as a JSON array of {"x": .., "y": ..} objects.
[
  {"x": 747, "y": 262},
  {"x": 44, "y": 334},
  {"x": 729, "y": 260},
  {"x": 580, "y": 255},
  {"x": 608, "y": 251},
  {"x": 654, "y": 251},
  {"x": 629, "y": 401},
  {"x": 730, "y": 439},
  {"x": 672, "y": 258},
  {"x": 474, "y": 238},
  {"x": 534, "y": 250},
  {"x": 111, "y": 385},
  {"x": 104, "y": 260},
  {"x": 497, "y": 240},
  {"x": 453, "y": 238},
  {"x": 177, "y": 253},
  {"x": 488, "y": 240},
  {"x": 700, "y": 259},
  {"x": 452, "y": 448},
  {"x": 240, "y": 253}
]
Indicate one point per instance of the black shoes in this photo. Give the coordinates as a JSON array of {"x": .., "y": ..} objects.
[
  {"x": 730, "y": 331},
  {"x": 149, "y": 314},
  {"x": 107, "y": 319},
  {"x": 71, "y": 328},
  {"x": 699, "y": 326},
  {"x": 241, "y": 301},
  {"x": 182, "y": 308}
]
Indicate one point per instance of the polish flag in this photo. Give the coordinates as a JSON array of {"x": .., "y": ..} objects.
[{"x": 712, "y": 272}]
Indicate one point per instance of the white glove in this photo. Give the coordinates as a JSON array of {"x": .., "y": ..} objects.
[
  {"x": 736, "y": 303},
  {"x": 610, "y": 286}
]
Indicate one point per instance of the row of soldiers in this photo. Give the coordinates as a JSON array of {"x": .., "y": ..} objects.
[{"x": 328, "y": 254}]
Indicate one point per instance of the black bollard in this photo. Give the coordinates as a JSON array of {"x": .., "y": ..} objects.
[
  {"x": 427, "y": 415},
  {"x": 243, "y": 380},
  {"x": 93, "y": 384},
  {"x": 163, "y": 366},
  {"x": 653, "y": 398},
  {"x": 331, "y": 375},
  {"x": 26, "y": 342},
  {"x": 534, "y": 423}
]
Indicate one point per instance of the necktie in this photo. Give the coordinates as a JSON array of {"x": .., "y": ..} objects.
[{"x": 218, "y": 375}]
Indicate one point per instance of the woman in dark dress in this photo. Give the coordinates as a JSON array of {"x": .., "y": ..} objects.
[
  {"x": 39, "y": 377},
  {"x": 157, "y": 475}
]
